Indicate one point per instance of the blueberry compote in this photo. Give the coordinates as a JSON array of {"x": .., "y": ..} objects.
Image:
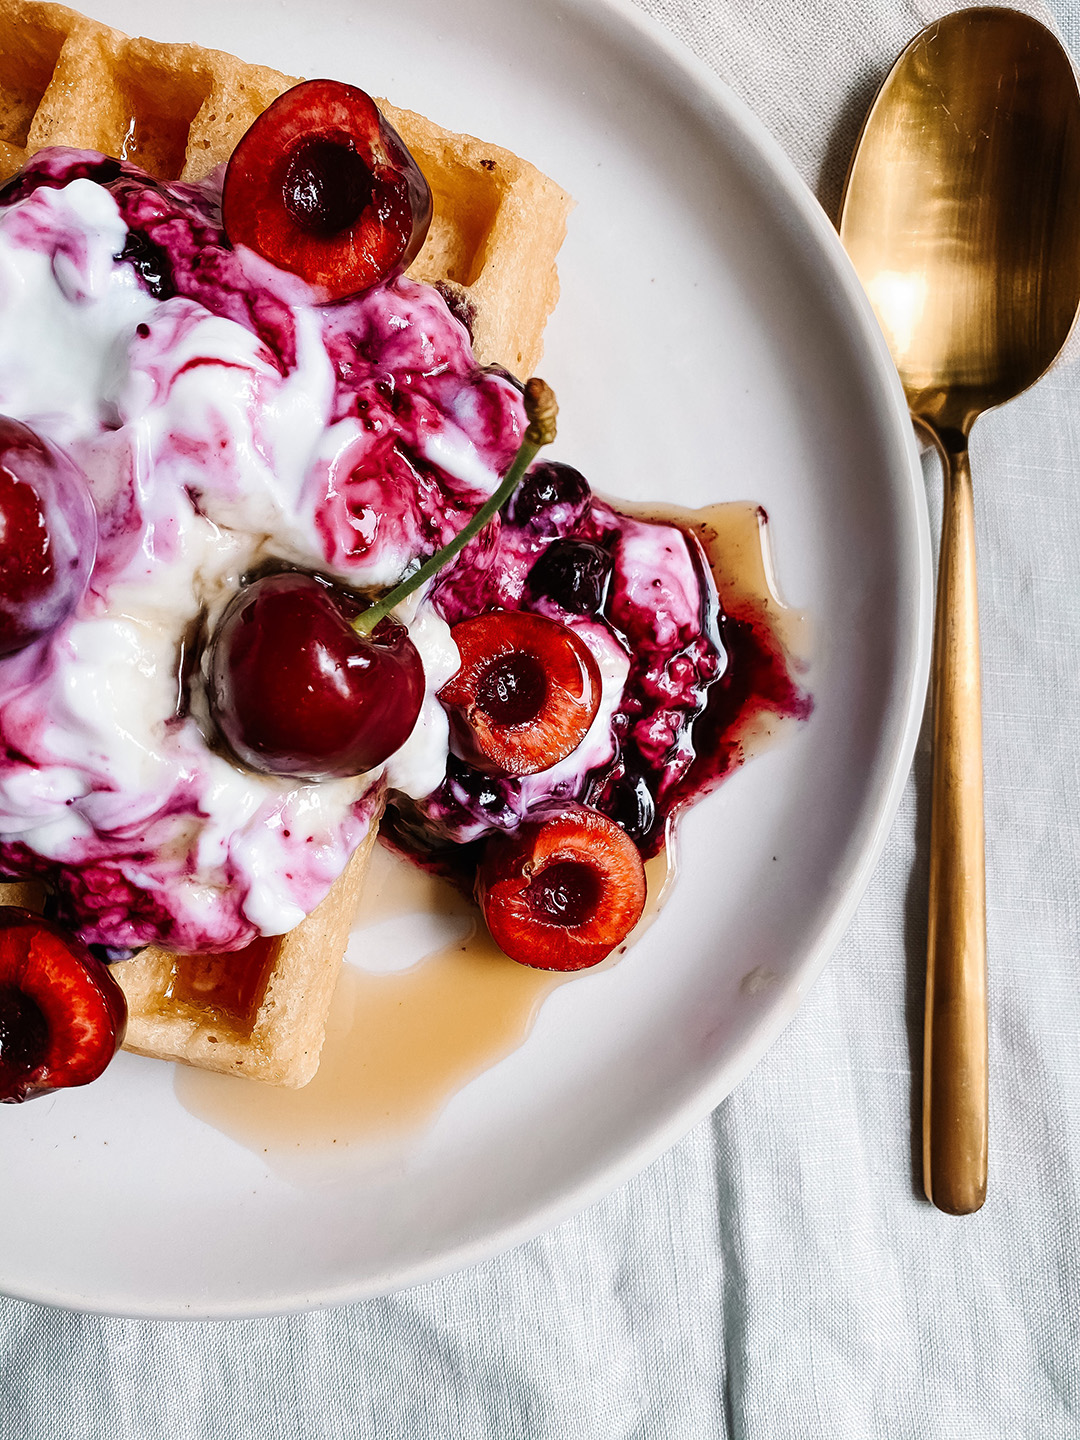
[
  {"x": 696, "y": 675},
  {"x": 231, "y": 425}
]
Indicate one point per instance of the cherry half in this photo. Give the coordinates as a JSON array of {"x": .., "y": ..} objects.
[
  {"x": 294, "y": 689},
  {"x": 526, "y": 693},
  {"x": 62, "y": 1015},
  {"x": 323, "y": 185},
  {"x": 48, "y": 536},
  {"x": 563, "y": 890}
]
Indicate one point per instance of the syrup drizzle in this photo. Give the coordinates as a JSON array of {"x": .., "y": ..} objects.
[{"x": 400, "y": 1043}]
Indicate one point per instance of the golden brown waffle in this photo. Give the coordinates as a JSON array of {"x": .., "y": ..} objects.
[{"x": 177, "y": 111}]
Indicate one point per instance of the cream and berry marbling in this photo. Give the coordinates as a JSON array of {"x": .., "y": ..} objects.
[
  {"x": 224, "y": 422},
  {"x": 654, "y": 626},
  {"x": 229, "y": 425}
]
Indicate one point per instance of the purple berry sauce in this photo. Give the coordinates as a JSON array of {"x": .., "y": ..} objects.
[{"x": 698, "y": 677}]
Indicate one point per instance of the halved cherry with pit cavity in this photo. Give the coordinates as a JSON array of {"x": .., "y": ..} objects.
[
  {"x": 323, "y": 185},
  {"x": 563, "y": 891},
  {"x": 526, "y": 693},
  {"x": 62, "y": 1015}
]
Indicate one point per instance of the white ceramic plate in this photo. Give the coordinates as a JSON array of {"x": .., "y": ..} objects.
[{"x": 711, "y": 343}]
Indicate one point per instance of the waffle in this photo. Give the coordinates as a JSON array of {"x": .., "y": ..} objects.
[
  {"x": 261, "y": 1013},
  {"x": 177, "y": 111}
]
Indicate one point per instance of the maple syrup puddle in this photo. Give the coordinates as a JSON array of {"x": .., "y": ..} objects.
[
  {"x": 400, "y": 1043},
  {"x": 426, "y": 1002}
]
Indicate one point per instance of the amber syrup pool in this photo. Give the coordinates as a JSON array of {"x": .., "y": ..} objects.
[{"x": 401, "y": 1042}]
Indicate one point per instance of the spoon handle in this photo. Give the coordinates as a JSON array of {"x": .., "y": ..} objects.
[{"x": 955, "y": 1068}]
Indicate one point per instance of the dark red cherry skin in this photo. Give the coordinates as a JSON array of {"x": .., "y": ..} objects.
[
  {"x": 62, "y": 1015},
  {"x": 526, "y": 693},
  {"x": 48, "y": 536},
  {"x": 323, "y": 185},
  {"x": 563, "y": 891},
  {"x": 295, "y": 691}
]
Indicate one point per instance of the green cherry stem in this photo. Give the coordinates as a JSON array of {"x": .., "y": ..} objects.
[{"x": 541, "y": 409}]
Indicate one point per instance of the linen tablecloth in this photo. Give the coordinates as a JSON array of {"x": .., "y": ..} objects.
[{"x": 778, "y": 1274}]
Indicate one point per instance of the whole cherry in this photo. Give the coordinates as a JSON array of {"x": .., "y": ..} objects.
[
  {"x": 303, "y": 681},
  {"x": 62, "y": 1015},
  {"x": 48, "y": 536},
  {"x": 294, "y": 689},
  {"x": 324, "y": 186}
]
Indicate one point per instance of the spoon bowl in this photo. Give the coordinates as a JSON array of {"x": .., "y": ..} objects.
[{"x": 961, "y": 215}]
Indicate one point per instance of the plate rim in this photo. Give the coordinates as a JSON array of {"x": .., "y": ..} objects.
[{"x": 623, "y": 16}]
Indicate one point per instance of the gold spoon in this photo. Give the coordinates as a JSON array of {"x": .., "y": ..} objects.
[{"x": 962, "y": 217}]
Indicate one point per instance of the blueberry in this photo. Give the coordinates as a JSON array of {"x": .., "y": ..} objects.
[
  {"x": 550, "y": 500},
  {"x": 484, "y": 796},
  {"x": 151, "y": 263},
  {"x": 630, "y": 803},
  {"x": 573, "y": 573}
]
